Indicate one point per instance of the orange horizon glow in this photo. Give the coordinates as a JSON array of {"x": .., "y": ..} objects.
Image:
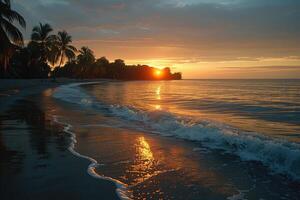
[
  {"x": 262, "y": 68},
  {"x": 208, "y": 63},
  {"x": 203, "y": 65},
  {"x": 158, "y": 73}
]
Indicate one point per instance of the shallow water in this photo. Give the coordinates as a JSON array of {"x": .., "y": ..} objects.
[
  {"x": 225, "y": 139},
  {"x": 269, "y": 107}
]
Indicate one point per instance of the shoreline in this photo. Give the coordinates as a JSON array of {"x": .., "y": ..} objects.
[
  {"x": 121, "y": 189},
  {"x": 34, "y": 149},
  {"x": 14, "y": 89}
]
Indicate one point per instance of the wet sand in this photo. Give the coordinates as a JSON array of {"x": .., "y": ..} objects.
[{"x": 35, "y": 160}]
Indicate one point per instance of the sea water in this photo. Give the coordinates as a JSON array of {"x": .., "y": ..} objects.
[{"x": 247, "y": 132}]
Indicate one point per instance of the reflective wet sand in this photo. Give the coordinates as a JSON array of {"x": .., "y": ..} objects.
[{"x": 35, "y": 161}]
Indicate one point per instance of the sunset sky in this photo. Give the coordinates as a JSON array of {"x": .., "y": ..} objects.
[{"x": 200, "y": 38}]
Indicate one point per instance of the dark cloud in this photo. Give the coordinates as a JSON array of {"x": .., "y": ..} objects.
[{"x": 226, "y": 28}]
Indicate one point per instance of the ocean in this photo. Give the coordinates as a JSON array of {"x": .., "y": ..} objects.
[{"x": 188, "y": 139}]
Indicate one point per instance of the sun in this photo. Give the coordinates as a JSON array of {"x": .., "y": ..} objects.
[{"x": 158, "y": 73}]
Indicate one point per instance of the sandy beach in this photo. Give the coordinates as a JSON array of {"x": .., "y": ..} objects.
[
  {"x": 35, "y": 160},
  {"x": 13, "y": 89}
]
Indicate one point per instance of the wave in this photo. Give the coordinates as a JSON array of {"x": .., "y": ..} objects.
[
  {"x": 73, "y": 93},
  {"x": 280, "y": 156},
  {"x": 122, "y": 191}
]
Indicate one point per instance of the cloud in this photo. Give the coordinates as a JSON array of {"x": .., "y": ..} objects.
[
  {"x": 280, "y": 68},
  {"x": 194, "y": 28}
]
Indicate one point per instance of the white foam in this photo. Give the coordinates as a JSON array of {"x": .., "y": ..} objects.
[
  {"x": 122, "y": 189},
  {"x": 73, "y": 93},
  {"x": 279, "y": 155},
  {"x": 239, "y": 196}
]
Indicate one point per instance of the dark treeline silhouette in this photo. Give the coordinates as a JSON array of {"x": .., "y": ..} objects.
[
  {"x": 87, "y": 66},
  {"x": 46, "y": 49}
]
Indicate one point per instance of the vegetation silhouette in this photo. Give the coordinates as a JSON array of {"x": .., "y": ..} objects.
[
  {"x": 46, "y": 50},
  {"x": 10, "y": 36},
  {"x": 87, "y": 66},
  {"x": 62, "y": 48}
]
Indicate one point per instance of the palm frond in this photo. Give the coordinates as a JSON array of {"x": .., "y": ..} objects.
[
  {"x": 70, "y": 54},
  {"x": 65, "y": 38},
  {"x": 7, "y": 2},
  {"x": 12, "y": 16},
  {"x": 72, "y": 48},
  {"x": 13, "y": 32},
  {"x": 41, "y": 32}
]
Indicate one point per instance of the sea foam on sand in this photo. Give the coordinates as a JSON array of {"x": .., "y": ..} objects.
[{"x": 121, "y": 190}]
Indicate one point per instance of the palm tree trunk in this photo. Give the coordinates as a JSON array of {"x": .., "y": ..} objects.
[
  {"x": 61, "y": 60},
  {"x": 5, "y": 65},
  {"x": 60, "y": 63}
]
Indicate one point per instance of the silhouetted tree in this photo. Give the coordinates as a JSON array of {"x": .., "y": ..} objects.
[
  {"x": 102, "y": 68},
  {"x": 20, "y": 63},
  {"x": 23, "y": 65},
  {"x": 32, "y": 61},
  {"x": 86, "y": 56},
  {"x": 62, "y": 49},
  {"x": 102, "y": 61},
  {"x": 43, "y": 42},
  {"x": 10, "y": 36}
]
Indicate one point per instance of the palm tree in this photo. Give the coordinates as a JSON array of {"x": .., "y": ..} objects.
[
  {"x": 42, "y": 39},
  {"x": 10, "y": 36},
  {"x": 86, "y": 56},
  {"x": 85, "y": 59},
  {"x": 62, "y": 49}
]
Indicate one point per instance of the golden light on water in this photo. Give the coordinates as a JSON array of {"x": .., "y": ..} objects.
[
  {"x": 144, "y": 151},
  {"x": 157, "y": 92},
  {"x": 157, "y": 107},
  {"x": 144, "y": 161}
]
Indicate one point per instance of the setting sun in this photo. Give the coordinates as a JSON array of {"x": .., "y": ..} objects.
[{"x": 158, "y": 73}]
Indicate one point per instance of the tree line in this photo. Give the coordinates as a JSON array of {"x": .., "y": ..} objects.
[{"x": 46, "y": 50}]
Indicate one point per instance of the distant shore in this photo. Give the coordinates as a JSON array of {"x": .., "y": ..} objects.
[{"x": 13, "y": 89}]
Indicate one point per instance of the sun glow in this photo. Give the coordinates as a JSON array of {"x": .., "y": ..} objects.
[
  {"x": 158, "y": 73},
  {"x": 157, "y": 107}
]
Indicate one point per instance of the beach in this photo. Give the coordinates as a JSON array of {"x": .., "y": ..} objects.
[
  {"x": 111, "y": 140},
  {"x": 35, "y": 160}
]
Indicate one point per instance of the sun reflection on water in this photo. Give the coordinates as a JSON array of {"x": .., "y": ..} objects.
[
  {"x": 144, "y": 150},
  {"x": 158, "y": 90},
  {"x": 144, "y": 162},
  {"x": 158, "y": 97},
  {"x": 157, "y": 107},
  {"x": 158, "y": 93}
]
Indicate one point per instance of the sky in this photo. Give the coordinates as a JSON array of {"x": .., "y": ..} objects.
[{"x": 200, "y": 38}]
